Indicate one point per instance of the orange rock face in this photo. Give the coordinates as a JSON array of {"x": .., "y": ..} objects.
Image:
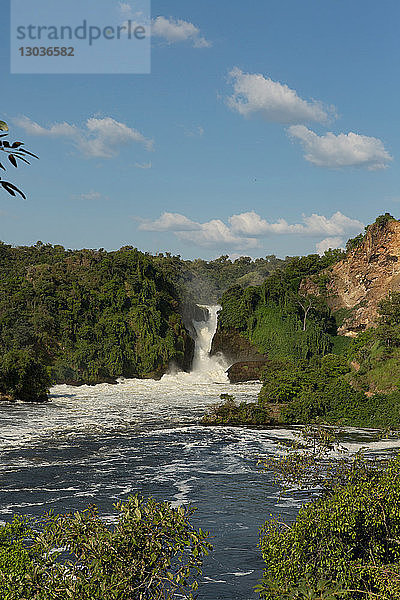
[{"x": 364, "y": 277}]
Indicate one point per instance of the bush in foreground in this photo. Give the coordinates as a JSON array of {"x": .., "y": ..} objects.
[
  {"x": 344, "y": 545},
  {"x": 150, "y": 551}
]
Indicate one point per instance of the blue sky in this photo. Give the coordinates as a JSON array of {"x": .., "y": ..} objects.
[{"x": 264, "y": 127}]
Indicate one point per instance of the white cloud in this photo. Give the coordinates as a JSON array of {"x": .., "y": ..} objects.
[
  {"x": 170, "y": 222},
  {"x": 255, "y": 94},
  {"x": 251, "y": 224},
  {"x": 343, "y": 150},
  {"x": 329, "y": 243},
  {"x": 176, "y": 30},
  {"x": 196, "y": 131},
  {"x": 126, "y": 9},
  {"x": 98, "y": 138},
  {"x": 92, "y": 195},
  {"x": 243, "y": 231},
  {"x": 56, "y": 130},
  {"x": 147, "y": 165},
  {"x": 216, "y": 233}
]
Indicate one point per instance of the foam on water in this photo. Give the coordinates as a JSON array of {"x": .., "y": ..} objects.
[{"x": 101, "y": 444}]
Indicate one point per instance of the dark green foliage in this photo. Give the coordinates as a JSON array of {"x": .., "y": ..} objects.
[
  {"x": 14, "y": 152},
  {"x": 349, "y": 540},
  {"x": 388, "y": 330},
  {"x": 150, "y": 551},
  {"x": 276, "y": 318},
  {"x": 22, "y": 377},
  {"x": 87, "y": 315},
  {"x": 354, "y": 242},
  {"x": 340, "y": 345},
  {"x": 230, "y": 413},
  {"x": 206, "y": 281},
  {"x": 320, "y": 389},
  {"x": 383, "y": 219},
  {"x": 376, "y": 352},
  {"x": 330, "y": 398},
  {"x": 294, "y": 381}
]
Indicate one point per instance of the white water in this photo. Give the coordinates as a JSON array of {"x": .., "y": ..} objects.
[
  {"x": 130, "y": 406},
  {"x": 206, "y": 368},
  {"x": 99, "y": 444}
]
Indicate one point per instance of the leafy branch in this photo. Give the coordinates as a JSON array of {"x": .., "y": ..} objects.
[{"x": 14, "y": 152}]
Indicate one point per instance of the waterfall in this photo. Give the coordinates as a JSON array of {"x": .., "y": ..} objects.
[
  {"x": 205, "y": 368},
  {"x": 205, "y": 330}
]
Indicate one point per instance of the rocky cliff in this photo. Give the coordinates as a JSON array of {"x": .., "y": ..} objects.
[
  {"x": 234, "y": 346},
  {"x": 246, "y": 361},
  {"x": 355, "y": 285}
]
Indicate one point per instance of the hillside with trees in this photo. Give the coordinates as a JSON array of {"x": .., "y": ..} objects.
[
  {"x": 85, "y": 316},
  {"x": 91, "y": 316},
  {"x": 309, "y": 372}
]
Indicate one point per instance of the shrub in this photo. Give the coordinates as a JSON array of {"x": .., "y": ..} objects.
[
  {"x": 150, "y": 551},
  {"x": 230, "y": 413},
  {"x": 350, "y": 538},
  {"x": 23, "y": 377}
]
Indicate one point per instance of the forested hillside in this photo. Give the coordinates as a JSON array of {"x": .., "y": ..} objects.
[
  {"x": 309, "y": 372},
  {"x": 85, "y": 316},
  {"x": 90, "y": 316},
  {"x": 204, "y": 282},
  {"x": 276, "y": 318}
]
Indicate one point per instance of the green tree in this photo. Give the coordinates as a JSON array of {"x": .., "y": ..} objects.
[{"x": 389, "y": 320}]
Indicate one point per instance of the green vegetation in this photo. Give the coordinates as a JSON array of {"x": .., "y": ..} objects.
[
  {"x": 313, "y": 374},
  {"x": 151, "y": 551},
  {"x": 376, "y": 352},
  {"x": 346, "y": 544},
  {"x": 204, "y": 281},
  {"x": 230, "y": 413},
  {"x": 88, "y": 316},
  {"x": 300, "y": 392},
  {"x": 85, "y": 316},
  {"x": 277, "y": 317}
]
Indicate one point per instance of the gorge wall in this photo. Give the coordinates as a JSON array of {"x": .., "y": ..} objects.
[{"x": 356, "y": 284}]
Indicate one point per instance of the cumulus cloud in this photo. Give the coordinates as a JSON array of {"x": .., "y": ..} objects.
[
  {"x": 176, "y": 30},
  {"x": 254, "y": 94},
  {"x": 213, "y": 233},
  {"x": 217, "y": 233},
  {"x": 244, "y": 231},
  {"x": 329, "y": 243},
  {"x": 343, "y": 150},
  {"x": 98, "y": 138},
  {"x": 170, "y": 222},
  {"x": 251, "y": 224}
]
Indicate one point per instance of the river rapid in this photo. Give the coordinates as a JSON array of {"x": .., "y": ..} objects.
[{"x": 100, "y": 444}]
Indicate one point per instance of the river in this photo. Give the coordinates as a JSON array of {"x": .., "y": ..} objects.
[{"x": 100, "y": 444}]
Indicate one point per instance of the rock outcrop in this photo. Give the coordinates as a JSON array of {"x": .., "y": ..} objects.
[
  {"x": 193, "y": 312},
  {"x": 246, "y": 371},
  {"x": 246, "y": 361},
  {"x": 234, "y": 347},
  {"x": 363, "y": 278}
]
